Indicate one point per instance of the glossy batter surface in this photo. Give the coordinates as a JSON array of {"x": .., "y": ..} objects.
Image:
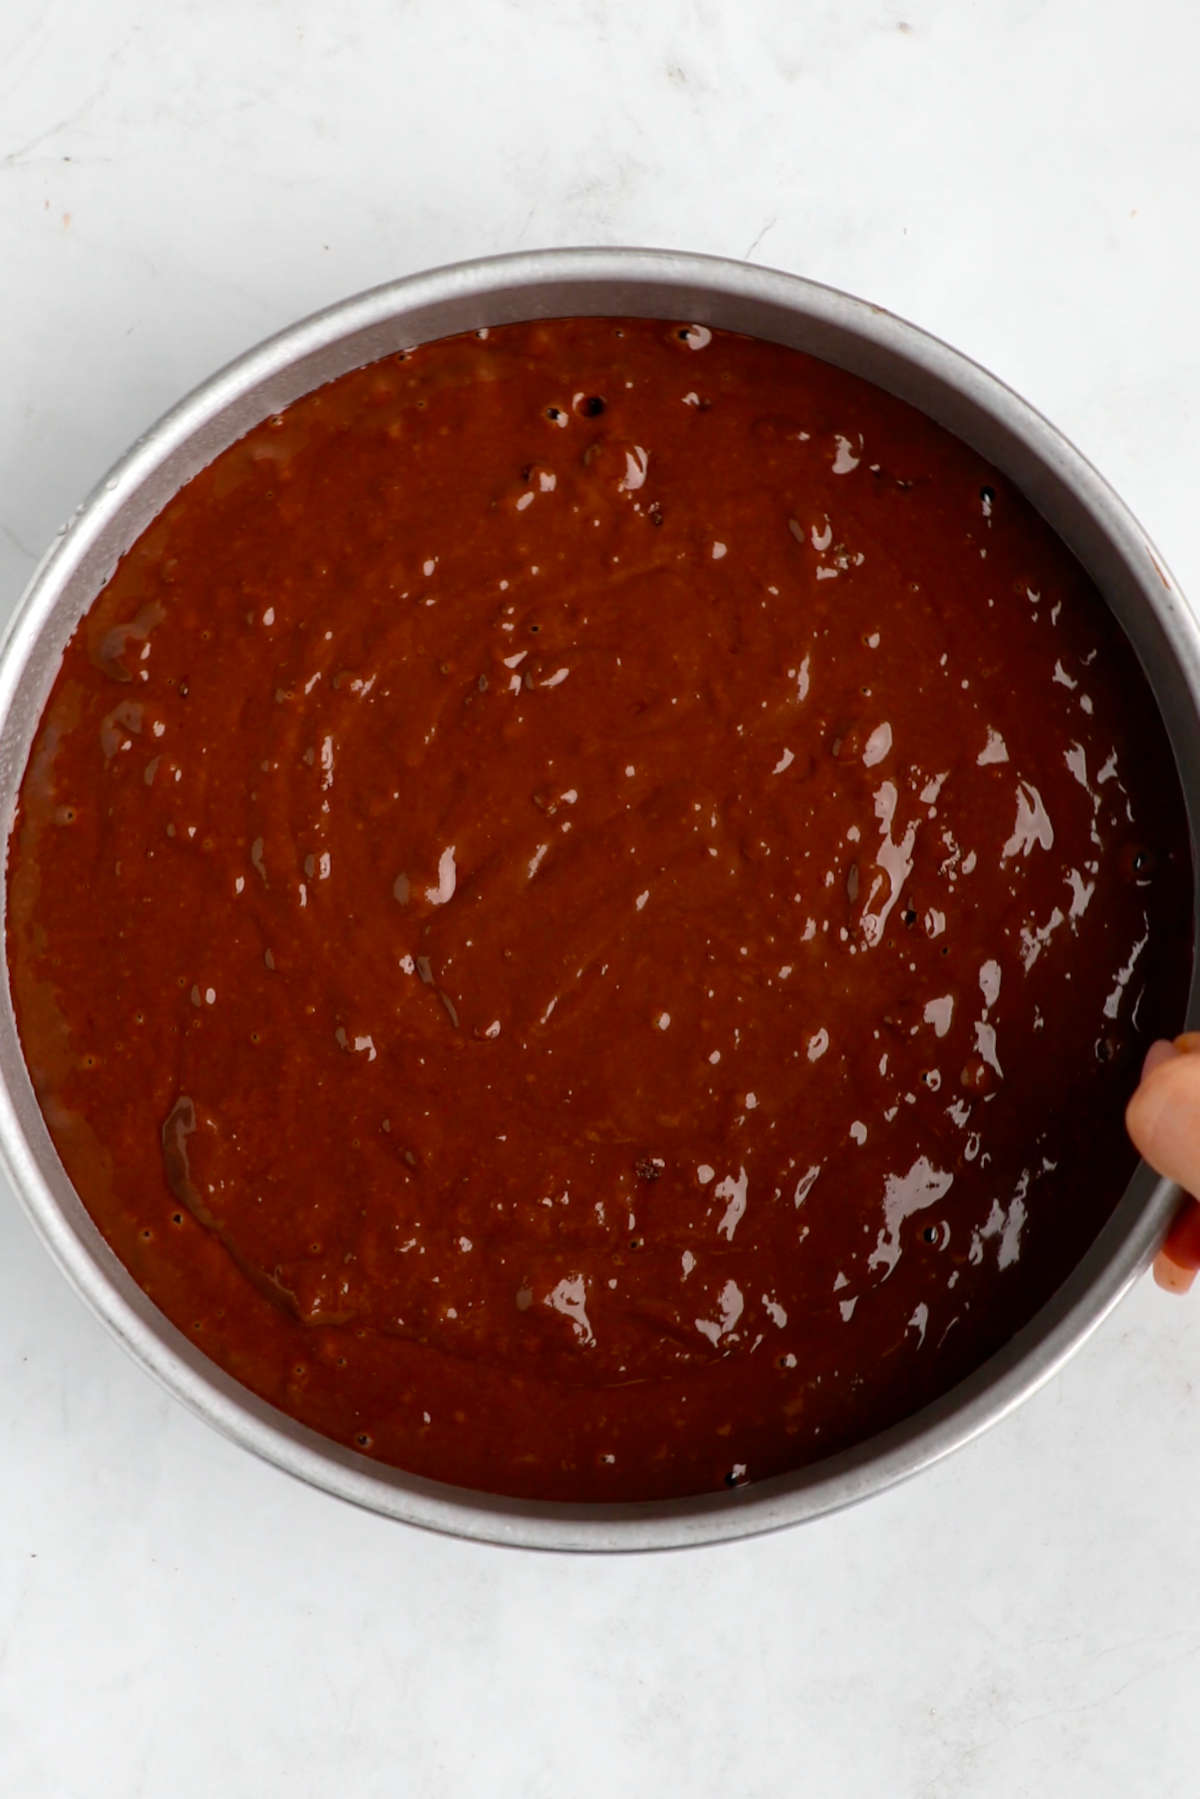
[{"x": 585, "y": 905}]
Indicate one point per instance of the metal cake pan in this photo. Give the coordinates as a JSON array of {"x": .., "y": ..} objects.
[{"x": 849, "y": 332}]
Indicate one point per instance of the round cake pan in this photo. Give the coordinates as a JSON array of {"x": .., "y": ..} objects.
[{"x": 857, "y": 336}]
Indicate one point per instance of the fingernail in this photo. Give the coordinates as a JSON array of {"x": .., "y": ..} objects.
[
  {"x": 1170, "y": 1276},
  {"x": 1157, "y": 1054},
  {"x": 1188, "y": 1042}
]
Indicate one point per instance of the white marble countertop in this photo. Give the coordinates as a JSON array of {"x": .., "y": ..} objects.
[{"x": 176, "y": 180}]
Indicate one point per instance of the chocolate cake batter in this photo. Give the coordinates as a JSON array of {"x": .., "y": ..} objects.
[{"x": 585, "y": 904}]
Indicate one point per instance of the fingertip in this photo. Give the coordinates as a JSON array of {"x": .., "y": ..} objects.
[{"x": 1163, "y": 1119}]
